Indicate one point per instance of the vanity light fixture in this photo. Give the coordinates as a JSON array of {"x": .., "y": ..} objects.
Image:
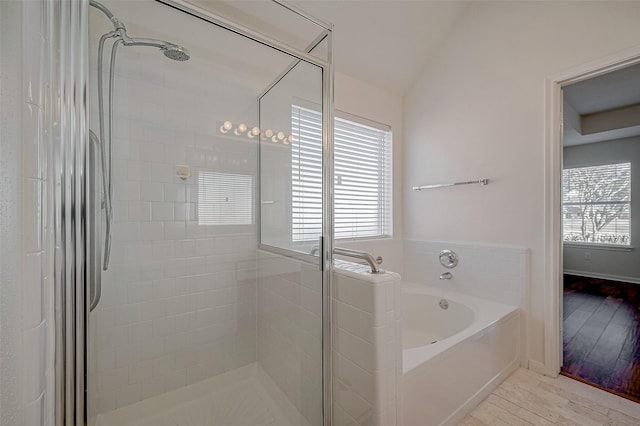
[{"x": 242, "y": 129}]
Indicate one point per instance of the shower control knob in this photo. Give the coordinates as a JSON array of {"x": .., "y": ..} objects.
[{"x": 448, "y": 259}]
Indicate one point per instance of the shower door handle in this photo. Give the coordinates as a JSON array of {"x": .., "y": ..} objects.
[{"x": 95, "y": 207}]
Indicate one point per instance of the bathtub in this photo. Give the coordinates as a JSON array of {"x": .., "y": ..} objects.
[{"x": 452, "y": 358}]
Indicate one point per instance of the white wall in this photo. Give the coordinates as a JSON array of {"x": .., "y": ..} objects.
[
  {"x": 594, "y": 260},
  {"x": 477, "y": 111},
  {"x": 24, "y": 243},
  {"x": 365, "y": 100}
]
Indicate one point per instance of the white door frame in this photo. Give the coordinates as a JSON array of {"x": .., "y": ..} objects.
[{"x": 553, "y": 202}]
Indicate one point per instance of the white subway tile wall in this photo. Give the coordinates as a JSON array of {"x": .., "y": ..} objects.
[
  {"x": 290, "y": 330},
  {"x": 179, "y": 298},
  {"x": 497, "y": 273},
  {"x": 367, "y": 361}
]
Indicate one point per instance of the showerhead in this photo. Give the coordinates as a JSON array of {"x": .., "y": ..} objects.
[{"x": 177, "y": 53}]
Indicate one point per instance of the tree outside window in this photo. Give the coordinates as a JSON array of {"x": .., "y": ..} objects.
[{"x": 596, "y": 204}]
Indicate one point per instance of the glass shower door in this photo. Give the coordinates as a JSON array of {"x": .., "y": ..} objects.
[
  {"x": 199, "y": 320},
  {"x": 292, "y": 227}
]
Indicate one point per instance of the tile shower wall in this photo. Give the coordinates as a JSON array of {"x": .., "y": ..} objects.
[
  {"x": 179, "y": 298},
  {"x": 25, "y": 319},
  {"x": 290, "y": 330}
]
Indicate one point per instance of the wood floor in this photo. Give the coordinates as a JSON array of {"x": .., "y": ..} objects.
[
  {"x": 528, "y": 398},
  {"x": 601, "y": 334}
]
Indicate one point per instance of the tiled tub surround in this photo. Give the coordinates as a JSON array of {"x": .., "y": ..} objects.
[
  {"x": 496, "y": 273},
  {"x": 443, "y": 381},
  {"x": 366, "y": 346},
  {"x": 289, "y": 303}
]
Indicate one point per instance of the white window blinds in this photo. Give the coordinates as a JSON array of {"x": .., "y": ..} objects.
[
  {"x": 362, "y": 172},
  {"x": 225, "y": 198},
  {"x": 596, "y": 204}
]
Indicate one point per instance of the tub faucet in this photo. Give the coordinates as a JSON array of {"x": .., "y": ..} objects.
[{"x": 446, "y": 276}]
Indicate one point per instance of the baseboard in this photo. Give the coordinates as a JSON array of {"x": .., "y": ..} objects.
[
  {"x": 480, "y": 396},
  {"x": 602, "y": 276},
  {"x": 537, "y": 367}
]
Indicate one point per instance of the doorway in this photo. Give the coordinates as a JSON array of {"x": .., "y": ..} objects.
[{"x": 600, "y": 227}]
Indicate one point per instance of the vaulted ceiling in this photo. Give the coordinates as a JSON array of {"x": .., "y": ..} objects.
[{"x": 385, "y": 43}]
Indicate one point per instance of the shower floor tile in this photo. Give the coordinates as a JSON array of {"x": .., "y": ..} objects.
[{"x": 243, "y": 397}]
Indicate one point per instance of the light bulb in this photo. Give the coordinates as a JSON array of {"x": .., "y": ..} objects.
[
  {"x": 280, "y": 135},
  {"x": 240, "y": 129},
  {"x": 255, "y": 131},
  {"x": 268, "y": 133},
  {"x": 274, "y": 139},
  {"x": 289, "y": 139},
  {"x": 226, "y": 126}
]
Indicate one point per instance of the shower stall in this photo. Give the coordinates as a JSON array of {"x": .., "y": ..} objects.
[{"x": 194, "y": 279}]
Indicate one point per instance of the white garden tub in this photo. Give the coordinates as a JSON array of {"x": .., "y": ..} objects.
[{"x": 452, "y": 358}]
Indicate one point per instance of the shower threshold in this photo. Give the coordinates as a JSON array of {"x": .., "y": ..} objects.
[{"x": 246, "y": 396}]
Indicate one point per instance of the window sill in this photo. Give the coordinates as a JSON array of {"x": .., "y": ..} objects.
[
  {"x": 364, "y": 239},
  {"x": 592, "y": 246}
]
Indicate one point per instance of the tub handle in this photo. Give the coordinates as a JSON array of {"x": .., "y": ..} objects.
[{"x": 448, "y": 259}]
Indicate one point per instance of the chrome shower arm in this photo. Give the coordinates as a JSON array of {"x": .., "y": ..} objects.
[{"x": 130, "y": 41}]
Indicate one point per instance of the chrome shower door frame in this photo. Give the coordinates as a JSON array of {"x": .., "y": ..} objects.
[{"x": 67, "y": 27}]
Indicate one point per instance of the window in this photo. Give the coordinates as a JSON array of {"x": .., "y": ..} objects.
[
  {"x": 225, "y": 198},
  {"x": 596, "y": 205},
  {"x": 362, "y": 172}
]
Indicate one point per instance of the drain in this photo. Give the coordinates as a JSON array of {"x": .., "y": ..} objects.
[
  {"x": 434, "y": 341},
  {"x": 444, "y": 304}
]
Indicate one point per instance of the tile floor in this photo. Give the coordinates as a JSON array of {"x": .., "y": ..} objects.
[
  {"x": 528, "y": 398},
  {"x": 601, "y": 329}
]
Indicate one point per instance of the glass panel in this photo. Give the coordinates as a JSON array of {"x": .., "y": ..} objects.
[
  {"x": 270, "y": 19},
  {"x": 321, "y": 50},
  {"x": 285, "y": 171},
  {"x": 195, "y": 324},
  {"x": 289, "y": 289}
]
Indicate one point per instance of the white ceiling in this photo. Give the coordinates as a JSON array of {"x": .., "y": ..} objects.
[
  {"x": 607, "y": 92},
  {"x": 385, "y": 43}
]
